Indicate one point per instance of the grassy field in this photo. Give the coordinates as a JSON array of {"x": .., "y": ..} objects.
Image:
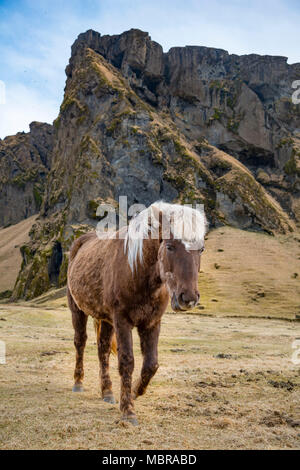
[
  {"x": 222, "y": 383},
  {"x": 226, "y": 379},
  {"x": 11, "y": 239},
  {"x": 251, "y": 274}
]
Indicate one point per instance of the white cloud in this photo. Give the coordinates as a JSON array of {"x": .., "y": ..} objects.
[{"x": 22, "y": 106}]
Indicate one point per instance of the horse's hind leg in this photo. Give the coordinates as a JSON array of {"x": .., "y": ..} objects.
[
  {"x": 104, "y": 341},
  {"x": 79, "y": 320},
  {"x": 149, "y": 343}
]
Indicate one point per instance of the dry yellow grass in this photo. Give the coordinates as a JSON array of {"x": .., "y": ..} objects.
[
  {"x": 11, "y": 238},
  {"x": 247, "y": 399},
  {"x": 251, "y": 274}
]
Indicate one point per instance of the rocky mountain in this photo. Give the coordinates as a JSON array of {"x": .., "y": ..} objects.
[
  {"x": 25, "y": 160},
  {"x": 241, "y": 104},
  {"x": 191, "y": 125}
]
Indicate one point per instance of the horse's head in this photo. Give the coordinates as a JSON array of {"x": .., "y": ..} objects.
[
  {"x": 179, "y": 267},
  {"x": 180, "y": 231}
]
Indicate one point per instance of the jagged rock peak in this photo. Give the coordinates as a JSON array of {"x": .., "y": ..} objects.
[
  {"x": 133, "y": 48},
  {"x": 99, "y": 43},
  {"x": 96, "y": 41},
  {"x": 182, "y": 70}
]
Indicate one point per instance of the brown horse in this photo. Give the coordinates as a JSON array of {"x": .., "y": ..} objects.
[{"x": 123, "y": 280}]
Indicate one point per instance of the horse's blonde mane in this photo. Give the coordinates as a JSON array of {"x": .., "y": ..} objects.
[{"x": 187, "y": 224}]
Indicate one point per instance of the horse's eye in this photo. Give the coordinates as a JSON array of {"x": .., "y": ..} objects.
[{"x": 170, "y": 248}]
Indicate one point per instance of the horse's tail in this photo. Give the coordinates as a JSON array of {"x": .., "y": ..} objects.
[{"x": 97, "y": 326}]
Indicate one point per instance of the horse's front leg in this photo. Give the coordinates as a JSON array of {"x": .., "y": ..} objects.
[
  {"x": 104, "y": 348},
  {"x": 126, "y": 366},
  {"x": 149, "y": 343}
]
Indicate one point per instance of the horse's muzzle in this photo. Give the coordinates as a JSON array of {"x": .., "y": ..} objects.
[{"x": 178, "y": 306}]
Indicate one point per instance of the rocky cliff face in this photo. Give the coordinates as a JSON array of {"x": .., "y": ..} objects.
[
  {"x": 25, "y": 160},
  {"x": 192, "y": 125},
  {"x": 241, "y": 104}
]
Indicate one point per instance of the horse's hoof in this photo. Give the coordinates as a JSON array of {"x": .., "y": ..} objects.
[
  {"x": 130, "y": 419},
  {"x": 77, "y": 388},
  {"x": 109, "y": 399}
]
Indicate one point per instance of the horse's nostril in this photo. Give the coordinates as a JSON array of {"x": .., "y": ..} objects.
[{"x": 188, "y": 299}]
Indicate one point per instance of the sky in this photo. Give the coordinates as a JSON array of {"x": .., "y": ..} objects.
[{"x": 36, "y": 37}]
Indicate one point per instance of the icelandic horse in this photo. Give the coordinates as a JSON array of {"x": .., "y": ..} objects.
[{"x": 124, "y": 280}]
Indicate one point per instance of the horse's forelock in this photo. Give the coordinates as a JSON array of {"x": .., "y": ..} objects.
[{"x": 185, "y": 223}]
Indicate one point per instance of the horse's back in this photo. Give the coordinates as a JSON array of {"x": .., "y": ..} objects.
[
  {"x": 85, "y": 273},
  {"x": 79, "y": 242}
]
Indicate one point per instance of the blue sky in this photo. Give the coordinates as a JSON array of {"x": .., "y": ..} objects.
[{"x": 36, "y": 36}]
